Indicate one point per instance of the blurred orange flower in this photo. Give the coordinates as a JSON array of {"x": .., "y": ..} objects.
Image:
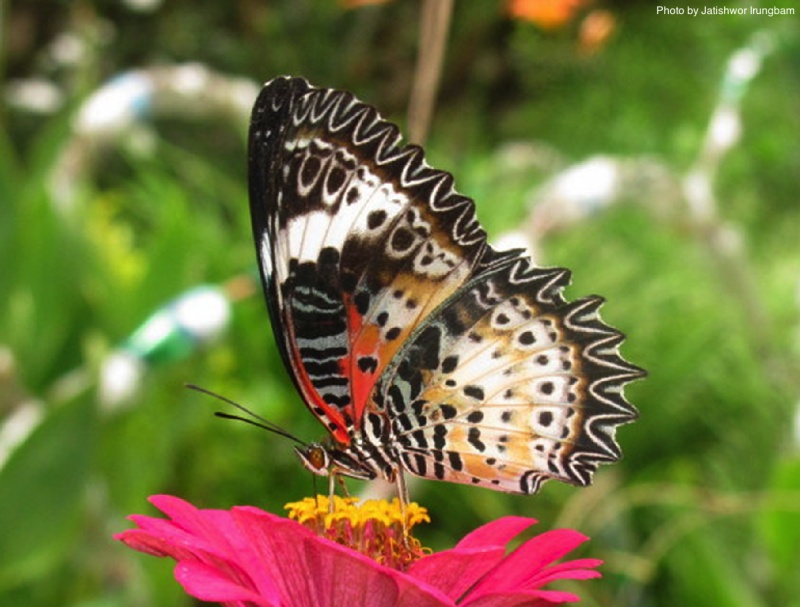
[
  {"x": 596, "y": 29},
  {"x": 547, "y": 14}
]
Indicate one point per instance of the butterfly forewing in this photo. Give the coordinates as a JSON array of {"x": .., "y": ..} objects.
[{"x": 358, "y": 240}]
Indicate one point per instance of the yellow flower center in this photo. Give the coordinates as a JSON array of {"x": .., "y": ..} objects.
[{"x": 378, "y": 529}]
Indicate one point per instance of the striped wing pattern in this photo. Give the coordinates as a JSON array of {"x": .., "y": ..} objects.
[{"x": 402, "y": 329}]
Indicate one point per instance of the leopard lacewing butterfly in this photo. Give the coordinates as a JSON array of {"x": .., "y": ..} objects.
[{"x": 418, "y": 346}]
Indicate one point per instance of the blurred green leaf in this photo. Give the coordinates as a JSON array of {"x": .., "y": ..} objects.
[
  {"x": 779, "y": 523},
  {"x": 43, "y": 487},
  {"x": 703, "y": 574}
]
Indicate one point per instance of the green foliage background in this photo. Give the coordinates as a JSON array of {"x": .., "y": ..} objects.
[{"x": 705, "y": 508}]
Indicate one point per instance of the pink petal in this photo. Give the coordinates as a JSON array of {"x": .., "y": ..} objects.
[
  {"x": 161, "y": 537},
  {"x": 275, "y": 552},
  {"x": 534, "y": 598},
  {"x": 579, "y": 569},
  {"x": 188, "y": 529},
  {"x": 207, "y": 584},
  {"x": 524, "y": 569},
  {"x": 165, "y": 535},
  {"x": 346, "y": 581},
  {"x": 149, "y": 544},
  {"x": 343, "y": 579},
  {"x": 211, "y": 537},
  {"x": 453, "y": 572},
  {"x": 210, "y": 530},
  {"x": 496, "y": 533}
]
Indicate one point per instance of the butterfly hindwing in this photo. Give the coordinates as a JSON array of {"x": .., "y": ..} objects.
[{"x": 508, "y": 385}]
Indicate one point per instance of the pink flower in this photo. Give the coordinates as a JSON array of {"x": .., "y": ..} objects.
[{"x": 247, "y": 557}]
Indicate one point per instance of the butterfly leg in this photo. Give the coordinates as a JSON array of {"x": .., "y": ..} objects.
[
  {"x": 334, "y": 478},
  {"x": 331, "y": 490},
  {"x": 402, "y": 488},
  {"x": 402, "y": 495},
  {"x": 342, "y": 485}
]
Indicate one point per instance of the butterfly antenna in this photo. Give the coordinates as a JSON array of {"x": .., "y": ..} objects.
[{"x": 252, "y": 418}]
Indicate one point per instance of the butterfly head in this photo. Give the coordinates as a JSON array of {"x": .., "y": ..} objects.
[{"x": 325, "y": 460}]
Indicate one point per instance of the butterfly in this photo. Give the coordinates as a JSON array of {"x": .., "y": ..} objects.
[{"x": 419, "y": 347}]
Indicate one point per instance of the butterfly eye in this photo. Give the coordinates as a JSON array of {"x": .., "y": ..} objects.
[{"x": 315, "y": 458}]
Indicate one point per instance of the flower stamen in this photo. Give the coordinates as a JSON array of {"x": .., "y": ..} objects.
[{"x": 378, "y": 529}]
